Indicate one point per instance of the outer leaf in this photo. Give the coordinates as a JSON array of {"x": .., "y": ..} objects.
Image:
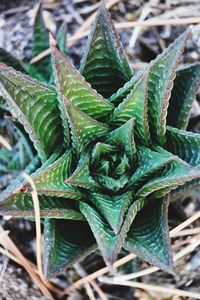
[
  {"x": 107, "y": 241},
  {"x": 83, "y": 128},
  {"x": 183, "y": 95},
  {"x": 66, "y": 242},
  {"x": 149, "y": 162},
  {"x": 184, "y": 144},
  {"x": 21, "y": 205},
  {"x": 113, "y": 208},
  {"x": 61, "y": 38},
  {"x": 17, "y": 185},
  {"x": 135, "y": 105},
  {"x": 188, "y": 189},
  {"x": 104, "y": 64},
  {"x": 42, "y": 68},
  {"x": 149, "y": 235},
  {"x": 10, "y": 60},
  {"x": 175, "y": 174},
  {"x": 35, "y": 105},
  {"x": 75, "y": 89},
  {"x": 49, "y": 180},
  {"x": 162, "y": 72}
]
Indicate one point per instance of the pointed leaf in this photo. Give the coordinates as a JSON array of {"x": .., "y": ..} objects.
[
  {"x": 42, "y": 68},
  {"x": 35, "y": 105},
  {"x": 183, "y": 95},
  {"x": 162, "y": 72},
  {"x": 61, "y": 38},
  {"x": 104, "y": 64},
  {"x": 113, "y": 208},
  {"x": 149, "y": 162},
  {"x": 101, "y": 149},
  {"x": 81, "y": 176},
  {"x": 107, "y": 241},
  {"x": 17, "y": 184},
  {"x": 148, "y": 236},
  {"x": 111, "y": 183},
  {"x": 135, "y": 106},
  {"x": 66, "y": 242},
  {"x": 75, "y": 89},
  {"x": 50, "y": 180},
  {"x": 124, "y": 136},
  {"x": 83, "y": 128},
  {"x": 21, "y": 205},
  {"x": 184, "y": 144},
  {"x": 173, "y": 175}
]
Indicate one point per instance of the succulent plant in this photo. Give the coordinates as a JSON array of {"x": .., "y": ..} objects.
[{"x": 109, "y": 154}]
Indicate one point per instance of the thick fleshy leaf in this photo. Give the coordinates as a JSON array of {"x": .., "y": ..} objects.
[
  {"x": 108, "y": 242},
  {"x": 84, "y": 129},
  {"x": 124, "y": 137},
  {"x": 61, "y": 38},
  {"x": 35, "y": 105},
  {"x": 135, "y": 106},
  {"x": 66, "y": 242},
  {"x": 101, "y": 149},
  {"x": 104, "y": 64},
  {"x": 183, "y": 95},
  {"x": 111, "y": 183},
  {"x": 113, "y": 208},
  {"x": 185, "y": 145},
  {"x": 123, "y": 92},
  {"x": 81, "y": 176},
  {"x": 50, "y": 180},
  {"x": 173, "y": 175},
  {"x": 150, "y": 162},
  {"x": 189, "y": 189},
  {"x": 41, "y": 69},
  {"x": 162, "y": 72},
  {"x": 21, "y": 205},
  {"x": 10, "y": 60},
  {"x": 16, "y": 187},
  {"x": 148, "y": 236},
  {"x": 74, "y": 88}
]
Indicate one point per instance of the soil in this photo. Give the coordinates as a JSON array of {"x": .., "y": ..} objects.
[{"x": 16, "y": 18}]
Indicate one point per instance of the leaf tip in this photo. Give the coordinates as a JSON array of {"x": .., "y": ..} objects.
[{"x": 52, "y": 41}]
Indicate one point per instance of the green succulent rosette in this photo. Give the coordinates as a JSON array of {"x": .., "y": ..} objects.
[{"x": 111, "y": 147}]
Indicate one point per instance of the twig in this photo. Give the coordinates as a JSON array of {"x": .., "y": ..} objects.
[
  {"x": 185, "y": 224},
  {"x": 156, "y": 288},
  {"x": 5, "y": 143},
  {"x": 191, "y": 231},
  {"x": 87, "y": 286},
  {"x": 148, "y": 23},
  {"x": 33, "y": 266},
  {"x": 37, "y": 223},
  {"x": 7, "y": 243},
  {"x": 98, "y": 273},
  {"x": 82, "y": 273}
]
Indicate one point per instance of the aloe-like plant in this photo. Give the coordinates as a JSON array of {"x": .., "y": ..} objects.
[{"x": 109, "y": 153}]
